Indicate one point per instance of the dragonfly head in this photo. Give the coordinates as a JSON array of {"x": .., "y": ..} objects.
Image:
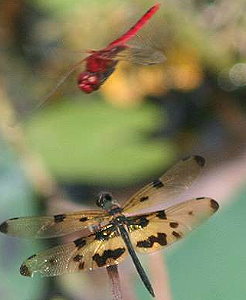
[
  {"x": 106, "y": 201},
  {"x": 88, "y": 82}
]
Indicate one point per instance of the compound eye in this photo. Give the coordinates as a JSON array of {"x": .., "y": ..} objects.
[
  {"x": 92, "y": 79},
  {"x": 103, "y": 198},
  {"x": 83, "y": 76},
  {"x": 86, "y": 88},
  {"x": 99, "y": 201}
]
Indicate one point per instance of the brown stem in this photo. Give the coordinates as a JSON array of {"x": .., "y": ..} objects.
[{"x": 114, "y": 277}]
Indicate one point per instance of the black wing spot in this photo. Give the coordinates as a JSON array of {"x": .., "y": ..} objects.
[
  {"x": 142, "y": 199},
  {"x": 200, "y": 160},
  {"x": 161, "y": 239},
  {"x": 143, "y": 222},
  {"x": 176, "y": 234},
  {"x": 25, "y": 271},
  {"x": 157, "y": 184},
  {"x": 79, "y": 243},
  {"x": 83, "y": 219},
  {"x": 161, "y": 214},
  {"x": 4, "y": 227},
  {"x": 200, "y": 198},
  {"x": 138, "y": 222},
  {"x": 52, "y": 260},
  {"x": 13, "y": 219},
  {"x": 59, "y": 218},
  {"x": 32, "y": 256},
  {"x": 214, "y": 205},
  {"x": 77, "y": 258},
  {"x": 81, "y": 265},
  {"x": 174, "y": 224},
  {"x": 101, "y": 260}
]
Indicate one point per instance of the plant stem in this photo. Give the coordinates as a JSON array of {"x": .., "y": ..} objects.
[{"x": 114, "y": 277}]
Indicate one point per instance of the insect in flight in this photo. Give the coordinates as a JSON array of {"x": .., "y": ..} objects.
[
  {"x": 113, "y": 232},
  {"x": 100, "y": 64}
]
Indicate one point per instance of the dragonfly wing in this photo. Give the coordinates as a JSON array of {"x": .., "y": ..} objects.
[
  {"x": 71, "y": 70},
  {"x": 100, "y": 250},
  {"x": 54, "y": 226},
  {"x": 175, "y": 181},
  {"x": 152, "y": 232},
  {"x": 148, "y": 56},
  {"x": 143, "y": 56}
]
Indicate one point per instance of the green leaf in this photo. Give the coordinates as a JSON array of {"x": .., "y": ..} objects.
[{"x": 95, "y": 142}]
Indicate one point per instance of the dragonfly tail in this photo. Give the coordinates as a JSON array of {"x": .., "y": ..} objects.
[
  {"x": 136, "y": 261},
  {"x": 136, "y": 27}
]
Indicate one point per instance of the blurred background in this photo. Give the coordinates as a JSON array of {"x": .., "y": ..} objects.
[{"x": 142, "y": 120}]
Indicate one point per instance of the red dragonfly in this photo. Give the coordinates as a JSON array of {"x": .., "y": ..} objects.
[{"x": 100, "y": 64}]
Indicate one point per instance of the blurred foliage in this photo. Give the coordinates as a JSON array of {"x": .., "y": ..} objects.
[
  {"x": 95, "y": 142},
  {"x": 16, "y": 199}
]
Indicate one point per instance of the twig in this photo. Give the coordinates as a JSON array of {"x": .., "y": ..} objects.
[{"x": 114, "y": 277}]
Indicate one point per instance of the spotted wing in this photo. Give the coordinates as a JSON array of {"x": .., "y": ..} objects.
[
  {"x": 54, "y": 226},
  {"x": 175, "y": 181},
  {"x": 100, "y": 250},
  {"x": 151, "y": 232}
]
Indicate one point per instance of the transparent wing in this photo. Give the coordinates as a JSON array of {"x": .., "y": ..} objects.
[
  {"x": 101, "y": 250},
  {"x": 172, "y": 183},
  {"x": 141, "y": 47},
  {"x": 143, "y": 56},
  {"x": 54, "y": 226},
  {"x": 58, "y": 84},
  {"x": 152, "y": 232},
  {"x": 133, "y": 53}
]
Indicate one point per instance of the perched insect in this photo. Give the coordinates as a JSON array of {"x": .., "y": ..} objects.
[
  {"x": 113, "y": 234},
  {"x": 100, "y": 64}
]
